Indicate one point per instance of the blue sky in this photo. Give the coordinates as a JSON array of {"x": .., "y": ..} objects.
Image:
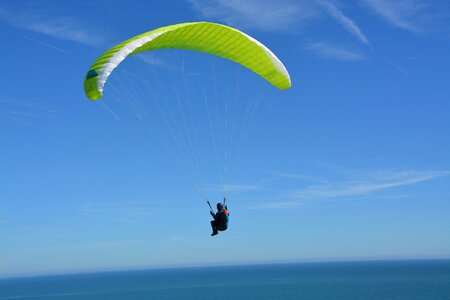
[{"x": 352, "y": 162}]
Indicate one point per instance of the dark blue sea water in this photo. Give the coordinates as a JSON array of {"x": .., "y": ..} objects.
[{"x": 407, "y": 280}]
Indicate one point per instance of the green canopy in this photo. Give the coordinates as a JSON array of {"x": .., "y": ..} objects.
[{"x": 216, "y": 39}]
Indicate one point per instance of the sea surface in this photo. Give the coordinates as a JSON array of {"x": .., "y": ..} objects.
[{"x": 409, "y": 280}]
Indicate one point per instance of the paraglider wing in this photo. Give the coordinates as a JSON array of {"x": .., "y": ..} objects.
[{"x": 215, "y": 39}]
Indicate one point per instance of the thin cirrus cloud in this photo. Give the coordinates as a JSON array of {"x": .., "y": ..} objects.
[
  {"x": 46, "y": 45},
  {"x": 127, "y": 212},
  {"x": 24, "y": 111},
  {"x": 397, "y": 67},
  {"x": 284, "y": 15},
  {"x": 63, "y": 28},
  {"x": 174, "y": 63},
  {"x": 343, "y": 20},
  {"x": 264, "y": 15},
  {"x": 413, "y": 15},
  {"x": 375, "y": 183},
  {"x": 288, "y": 16},
  {"x": 370, "y": 186},
  {"x": 328, "y": 50},
  {"x": 161, "y": 62},
  {"x": 235, "y": 188}
]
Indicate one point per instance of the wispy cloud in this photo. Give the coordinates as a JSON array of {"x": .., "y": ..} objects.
[
  {"x": 397, "y": 67},
  {"x": 46, "y": 45},
  {"x": 412, "y": 15},
  {"x": 259, "y": 14},
  {"x": 277, "y": 175},
  {"x": 127, "y": 212},
  {"x": 172, "y": 60},
  {"x": 376, "y": 183},
  {"x": 241, "y": 187},
  {"x": 96, "y": 246},
  {"x": 327, "y": 50},
  {"x": 370, "y": 185},
  {"x": 343, "y": 20},
  {"x": 234, "y": 188},
  {"x": 154, "y": 61},
  {"x": 177, "y": 239},
  {"x": 60, "y": 27},
  {"x": 25, "y": 111},
  {"x": 284, "y": 15},
  {"x": 32, "y": 106},
  {"x": 277, "y": 204},
  {"x": 107, "y": 211}
]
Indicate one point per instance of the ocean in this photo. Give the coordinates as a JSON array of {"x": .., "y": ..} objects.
[{"x": 408, "y": 280}]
